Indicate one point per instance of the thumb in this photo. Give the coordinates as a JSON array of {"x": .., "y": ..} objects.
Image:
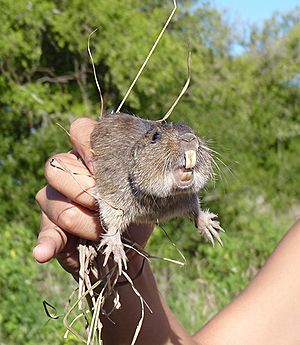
[
  {"x": 51, "y": 241},
  {"x": 80, "y": 133}
]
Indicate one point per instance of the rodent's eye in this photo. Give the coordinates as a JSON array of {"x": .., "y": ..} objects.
[{"x": 155, "y": 136}]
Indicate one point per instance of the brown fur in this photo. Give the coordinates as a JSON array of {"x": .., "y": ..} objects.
[{"x": 135, "y": 164}]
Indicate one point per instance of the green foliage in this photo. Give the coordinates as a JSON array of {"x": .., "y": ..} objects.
[
  {"x": 247, "y": 106},
  {"x": 211, "y": 277},
  {"x": 24, "y": 285}
]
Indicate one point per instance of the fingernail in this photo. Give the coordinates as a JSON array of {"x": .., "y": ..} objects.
[
  {"x": 38, "y": 252},
  {"x": 90, "y": 166},
  {"x": 36, "y": 249}
]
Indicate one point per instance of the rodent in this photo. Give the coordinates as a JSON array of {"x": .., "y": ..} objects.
[{"x": 147, "y": 171}]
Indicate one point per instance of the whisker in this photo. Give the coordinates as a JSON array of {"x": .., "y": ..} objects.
[
  {"x": 220, "y": 172},
  {"x": 217, "y": 156}
]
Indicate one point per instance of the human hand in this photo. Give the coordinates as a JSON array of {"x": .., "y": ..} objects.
[{"x": 69, "y": 210}]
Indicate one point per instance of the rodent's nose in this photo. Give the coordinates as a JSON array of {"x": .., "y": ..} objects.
[{"x": 188, "y": 137}]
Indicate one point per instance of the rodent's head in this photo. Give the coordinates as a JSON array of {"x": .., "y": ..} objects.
[{"x": 169, "y": 159}]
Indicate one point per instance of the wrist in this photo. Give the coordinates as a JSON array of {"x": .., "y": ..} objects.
[{"x": 134, "y": 271}]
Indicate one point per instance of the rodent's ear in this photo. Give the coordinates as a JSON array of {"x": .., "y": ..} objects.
[{"x": 153, "y": 134}]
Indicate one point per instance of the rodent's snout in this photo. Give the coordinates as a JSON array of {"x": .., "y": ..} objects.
[
  {"x": 189, "y": 141},
  {"x": 188, "y": 137}
]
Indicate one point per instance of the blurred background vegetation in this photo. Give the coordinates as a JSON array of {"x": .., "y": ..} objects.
[{"x": 247, "y": 105}]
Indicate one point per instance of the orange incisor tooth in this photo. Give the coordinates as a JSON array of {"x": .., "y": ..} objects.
[
  {"x": 190, "y": 159},
  {"x": 186, "y": 176}
]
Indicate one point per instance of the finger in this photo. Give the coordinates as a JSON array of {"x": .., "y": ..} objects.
[
  {"x": 69, "y": 216},
  {"x": 68, "y": 175},
  {"x": 51, "y": 241},
  {"x": 80, "y": 133}
]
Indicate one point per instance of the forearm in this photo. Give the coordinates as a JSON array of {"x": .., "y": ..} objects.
[
  {"x": 159, "y": 327},
  {"x": 268, "y": 311}
]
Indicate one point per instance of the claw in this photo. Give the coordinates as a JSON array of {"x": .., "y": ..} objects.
[
  {"x": 105, "y": 258},
  {"x": 114, "y": 246},
  {"x": 217, "y": 225},
  {"x": 210, "y": 238},
  {"x": 210, "y": 228},
  {"x": 215, "y": 234}
]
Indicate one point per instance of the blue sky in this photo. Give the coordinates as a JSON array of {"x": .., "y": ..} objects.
[{"x": 254, "y": 11}]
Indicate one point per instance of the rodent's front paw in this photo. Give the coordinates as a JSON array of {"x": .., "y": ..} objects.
[
  {"x": 113, "y": 245},
  {"x": 209, "y": 227}
]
